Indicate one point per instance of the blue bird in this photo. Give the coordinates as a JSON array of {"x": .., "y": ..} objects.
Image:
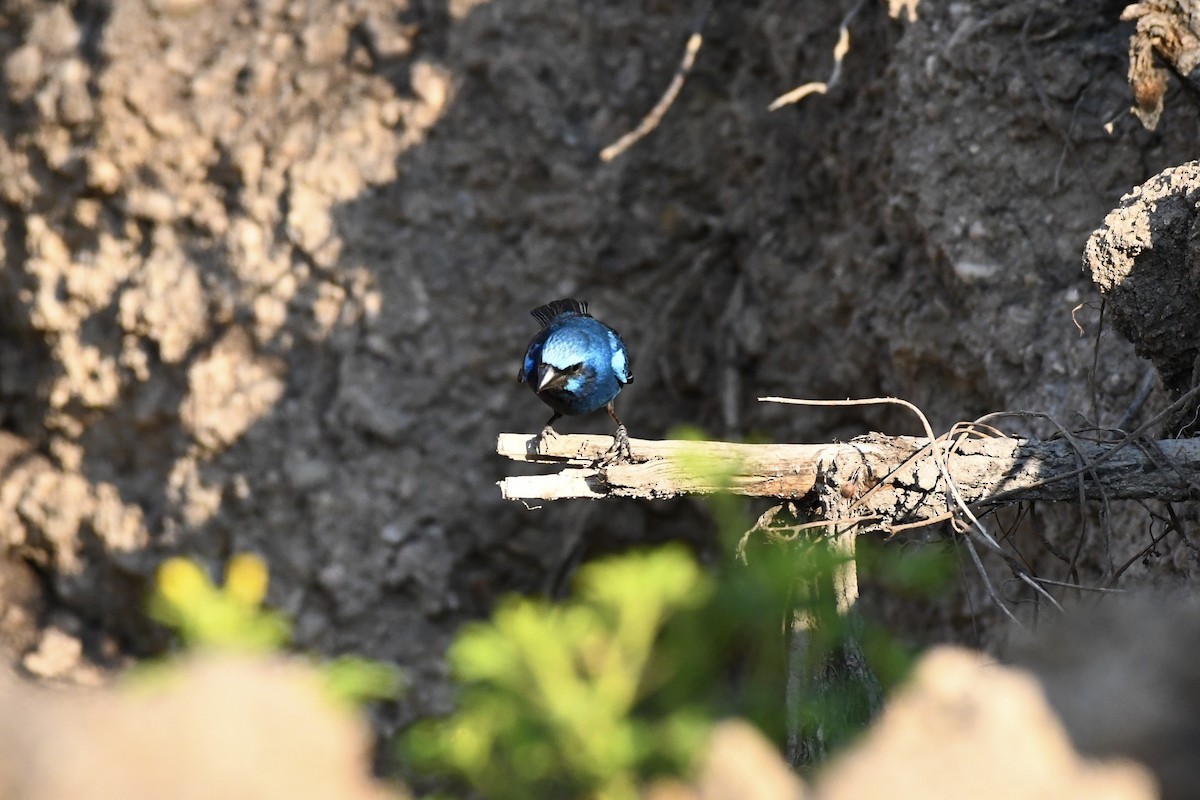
[{"x": 576, "y": 365}]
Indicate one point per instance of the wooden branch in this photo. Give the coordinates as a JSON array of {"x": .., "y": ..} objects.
[
  {"x": 896, "y": 476},
  {"x": 659, "y": 468}
]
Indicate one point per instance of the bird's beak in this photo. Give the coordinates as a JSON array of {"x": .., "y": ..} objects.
[{"x": 549, "y": 378}]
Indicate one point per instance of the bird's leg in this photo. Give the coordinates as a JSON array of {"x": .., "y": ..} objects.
[
  {"x": 620, "y": 451},
  {"x": 548, "y": 431}
]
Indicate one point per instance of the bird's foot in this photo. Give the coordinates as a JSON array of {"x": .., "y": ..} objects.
[
  {"x": 546, "y": 435},
  {"x": 619, "y": 453}
]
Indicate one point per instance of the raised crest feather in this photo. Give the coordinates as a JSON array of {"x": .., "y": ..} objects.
[{"x": 544, "y": 314}]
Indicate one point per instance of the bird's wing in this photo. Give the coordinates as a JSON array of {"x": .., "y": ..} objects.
[
  {"x": 529, "y": 364},
  {"x": 620, "y": 358}
]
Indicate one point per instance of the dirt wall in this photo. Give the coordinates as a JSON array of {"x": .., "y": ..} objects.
[{"x": 267, "y": 268}]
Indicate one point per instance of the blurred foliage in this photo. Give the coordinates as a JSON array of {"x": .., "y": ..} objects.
[
  {"x": 232, "y": 618},
  {"x": 737, "y": 641},
  {"x": 917, "y": 569},
  {"x": 590, "y": 697},
  {"x": 229, "y": 617},
  {"x": 552, "y": 700},
  {"x": 925, "y": 569},
  {"x": 356, "y": 680}
]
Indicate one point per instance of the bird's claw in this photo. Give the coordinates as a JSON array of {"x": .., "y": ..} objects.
[
  {"x": 619, "y": 453},
  {"x": 547, "y": 434}
]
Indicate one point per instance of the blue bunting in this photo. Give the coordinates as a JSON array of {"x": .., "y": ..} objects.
[{"x": 576, "y": 365}]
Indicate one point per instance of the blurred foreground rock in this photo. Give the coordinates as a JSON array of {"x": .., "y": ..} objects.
[
  {"x": 215, "y": 727},
  {"x": 1125, "y": 680},
  {"x": 965, "y": 727}
]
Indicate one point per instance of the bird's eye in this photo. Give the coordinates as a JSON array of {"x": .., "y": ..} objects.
[{"x": 575, "y": 369}]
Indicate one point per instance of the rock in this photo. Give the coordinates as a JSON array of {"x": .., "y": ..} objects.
[
  {"x": 1145, "y": 258},
  {"x": 741, "y": 764},
  {"x": 229, "y": 389},
  {"x": 57, "y": 654},
  {"x": 212, "y": 727},
  {"x": 22, "y": 72},
  {"x": 966, "y": 727},
  {"x": 1122, "y": 676}
]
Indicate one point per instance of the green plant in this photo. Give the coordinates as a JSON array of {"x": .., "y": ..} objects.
[
  {"x": 738, "y": 641},
  {"x": 232, "y": 618},
  {"x": 229, "y": 617},
  {"x": 552, "y": 695}
]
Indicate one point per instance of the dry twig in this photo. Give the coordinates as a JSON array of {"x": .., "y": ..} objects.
[
  {"x": 652, "y": 119},
  {"x": 839, "y": 53}
]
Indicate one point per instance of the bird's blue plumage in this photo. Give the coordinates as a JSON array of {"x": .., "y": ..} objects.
[{"x": 575, "y": 364}]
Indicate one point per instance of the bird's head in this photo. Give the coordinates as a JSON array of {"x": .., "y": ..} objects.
[
  {"x": 550, "y": 377},
  {"x": 564, "y": 366}
]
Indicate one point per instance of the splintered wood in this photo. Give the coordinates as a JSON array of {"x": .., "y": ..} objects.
[{"x": 894, "y": 478}]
